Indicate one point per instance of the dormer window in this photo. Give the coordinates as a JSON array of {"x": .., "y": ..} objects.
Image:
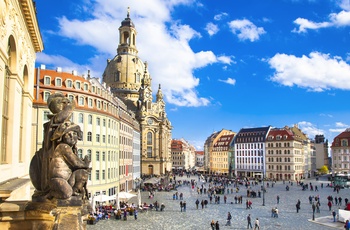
[
  {"x": 47, "y": 80},
  {"x": 69, "y": 83},
  {"x": 86, "y": 87},
  {"x": 58, "y": 82},
  {"x": 278, "y": 137},
  {"x": 81, "y": 101},
  {"x": 78, "y": 85}
]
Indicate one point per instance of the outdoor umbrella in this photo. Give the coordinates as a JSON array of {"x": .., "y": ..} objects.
[{"x": 125, "y": 195}]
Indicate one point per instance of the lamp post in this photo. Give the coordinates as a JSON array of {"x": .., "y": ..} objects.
[{"x": 262, "y": 154}]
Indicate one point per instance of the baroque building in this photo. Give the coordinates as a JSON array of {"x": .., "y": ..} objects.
[
  {"x": 340, "y": 150},
  {"x": 129, "y": 79},
  {"x": 20, "y": 40},
  {"x": 109, "y": 128},
  {"x": 221, "y": 155}
]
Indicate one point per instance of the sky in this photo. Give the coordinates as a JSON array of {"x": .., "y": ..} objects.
[{"x": 221, "y": 64}]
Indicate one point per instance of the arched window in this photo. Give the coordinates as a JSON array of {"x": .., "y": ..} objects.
[
  {"x": 81, "y": 118},
  {"x": 149, "y": 144},
  {"x": 149, "y": 138},
  {"x": 90, "y": 119},
  {"x": 89, "y": 154}
]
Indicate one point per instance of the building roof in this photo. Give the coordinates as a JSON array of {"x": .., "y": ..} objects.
[
  {"x": 342, "y": 136},
  {"x": 280, "y": 135},
  {"x": 251, "y": 135},
  {"x": 199, "y": 152}
]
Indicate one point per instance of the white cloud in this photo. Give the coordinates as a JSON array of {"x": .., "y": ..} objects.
[
  {"x": 246, "y": 30},
  {"x": 221, "y": 16},
  {"x": 340, "y": 19},
  {"x": 341, "y": 125},
  {"x": 316, "y": 72},
  {"x": 161, "y": 41},
  {"x": 229, "y": 81},
  {"x": 211, "y": 28},
  {"x": 344, "y": 4},
  {"x": 338, "y": 131},
  {"x": 326, "y": 115},
  {"x": 226, "y": 59},
  {"x": 310, "y": 129}
]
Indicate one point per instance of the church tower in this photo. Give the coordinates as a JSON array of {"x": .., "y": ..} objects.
[
  {"x": 130, "y": 80},
  {"x": 124, "y": 72}
]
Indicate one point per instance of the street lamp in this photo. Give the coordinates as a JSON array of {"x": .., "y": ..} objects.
[{"x": 263, "y": 165}]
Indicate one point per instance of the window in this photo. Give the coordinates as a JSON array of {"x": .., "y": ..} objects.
[
  {"x": 90, "y": 102},
  {"x": 69, "y": 83},
  {"x": 104, "y": 122},
  {"x": 97, "y": 174},
  {"x": 99, "y": 104},
  {"x": 58, "y": 81},
  {"x": 47, "y": 80},
  {"x": 89, "y": 136},
  {"x": 97, "y": 156},
  {"x": 103, "y": 174},
  {"x": 71, "y": 98},
  {"x": 45, "y": 116},
  {"x": 81, "y": 101},
  {"x": 149, "y": 138},
  {"x": 103, "y": 138},
  {"x": 97, "y": 137},
  {"x": 86, "y": 87},
  {"x": 90, "y": 119},
  {"x": 344, "y": 142},
  {"x": 46, "y": 96},
  {"x": 103, "y": 156},
  {"x": 89, "y": 154},
  {"x": 80, "y": 153},
  {"x": 98, "y": 121},
  {"x": 81, "y": 118},
  {"x": 78, "y": 85},
  {"x": 149, "y": 151}
]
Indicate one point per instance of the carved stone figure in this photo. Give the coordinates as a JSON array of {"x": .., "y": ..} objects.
[{"x": 55, "y": 170}]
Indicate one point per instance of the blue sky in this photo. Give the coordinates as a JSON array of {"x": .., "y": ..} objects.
[{"x": 222, "y": 64}]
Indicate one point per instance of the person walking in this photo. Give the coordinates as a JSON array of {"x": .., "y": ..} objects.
[
  {"x": 229, "y": 217},
  {"x": 181, "y": 205},
  {"x": 334, "y": 214},
  {"x": 197, "y": 203},
  {"x": 249, "y": 220},
  {"x": 217, "y": 226},
  {"x": 330, "y": 205},
  {"x": 135, "y": 213},
  {"x": 276, "y": 212},
  {"x": 278, "y": 199},
  {"x": 212, "y": 225},
  {"x": 298, "y": 206},
  {"x": 257, "y": 224},
  {"x": 184, "y": 205}
]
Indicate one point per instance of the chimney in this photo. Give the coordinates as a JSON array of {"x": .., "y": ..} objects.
[
  {"x": 42, "y": 66},
  {"x": 74, "y": 72},
  {"x": 59, "y": 69}
]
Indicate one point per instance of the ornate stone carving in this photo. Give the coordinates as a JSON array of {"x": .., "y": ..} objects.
[{"x": 56, "y": 170}]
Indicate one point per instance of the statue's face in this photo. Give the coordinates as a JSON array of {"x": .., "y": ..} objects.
[
  {"x": 70, "y": 138},
  {"x": 59, "y": 104}
]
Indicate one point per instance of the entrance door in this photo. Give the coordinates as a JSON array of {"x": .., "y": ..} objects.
[{"x": 150, "y": 169}]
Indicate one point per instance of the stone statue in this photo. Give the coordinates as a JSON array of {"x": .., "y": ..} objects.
[{"x": 56, "y": 171}]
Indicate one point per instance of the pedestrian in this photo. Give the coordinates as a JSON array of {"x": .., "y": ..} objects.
[
  {"x": 347, "y": 225},
  {"x": 249, "y": 220},
  {"x": 229, "y": 217},
  {"x": 181, "y": 205},
  {"x": 217, "y": 226},
  {"x": 257, "y": 224},
  {"x": 298, "y": 206},
  {"x": 135, "y": 213},
  {"x": 276, "y": 212},
  {"x": 334, "y": 214},
  {"x": 197, "y": 203},
  {"x": 212, "y": 225},
  {"x": 184, "y": 205},
  {"x": 278, "y": 199},
  {"x": 330, "y": 205}
]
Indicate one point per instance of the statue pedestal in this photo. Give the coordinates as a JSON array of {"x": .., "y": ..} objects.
[{"x": 55, "y": 214}]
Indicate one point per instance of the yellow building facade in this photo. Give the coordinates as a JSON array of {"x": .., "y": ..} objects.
[{"x": 20, "y": 40}]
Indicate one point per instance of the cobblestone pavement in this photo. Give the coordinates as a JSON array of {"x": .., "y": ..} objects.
[{"x": 194, "y": 219}]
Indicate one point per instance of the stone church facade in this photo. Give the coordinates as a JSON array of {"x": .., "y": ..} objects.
[{"x": 129, "y": 79}]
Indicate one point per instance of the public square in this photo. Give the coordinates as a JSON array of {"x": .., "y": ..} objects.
[{"x": 288, "y": 218}]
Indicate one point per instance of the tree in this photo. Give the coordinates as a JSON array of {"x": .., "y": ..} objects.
[{"x": 323, "y": 169}]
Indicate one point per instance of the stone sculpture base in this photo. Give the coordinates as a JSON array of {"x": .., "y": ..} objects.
[{"x": 55, "y": 214}]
